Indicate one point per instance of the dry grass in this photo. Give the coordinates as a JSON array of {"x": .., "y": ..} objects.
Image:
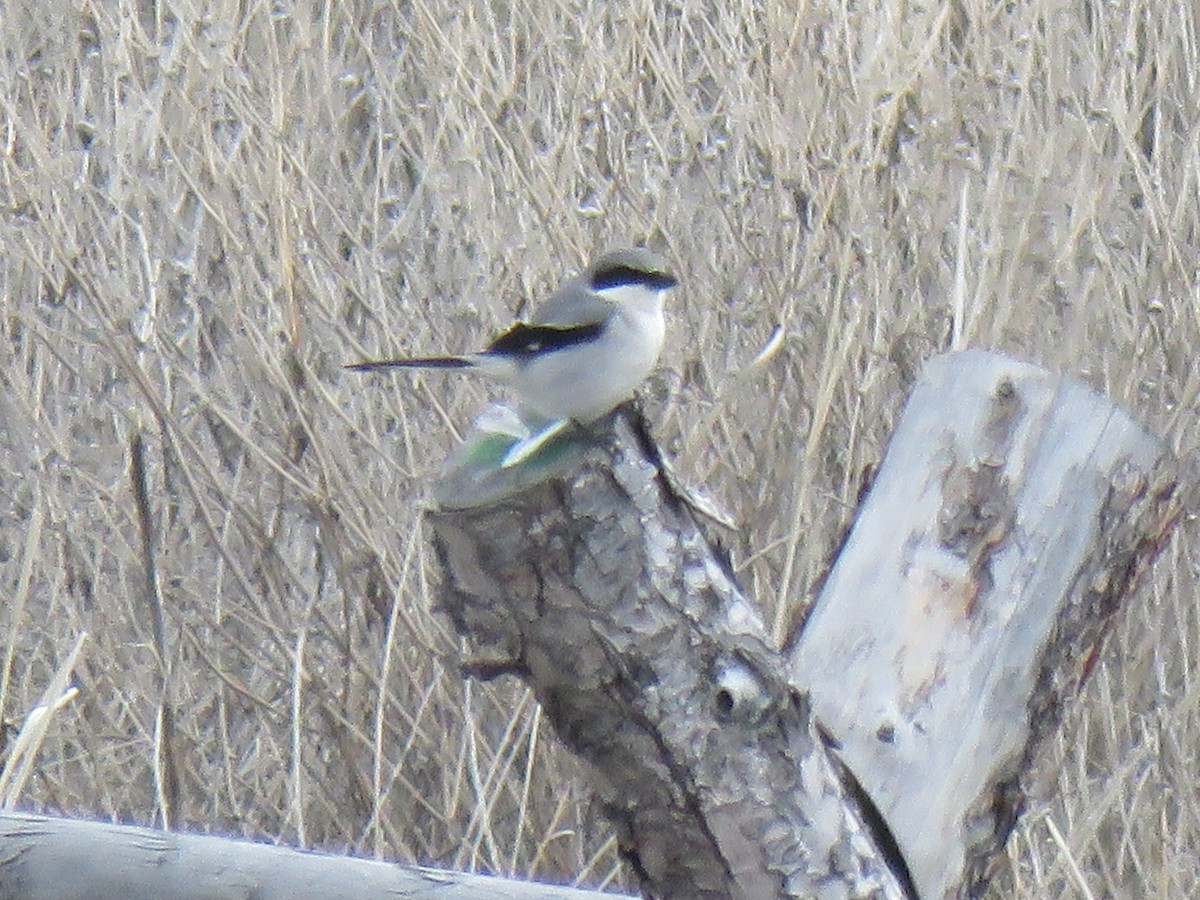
[{"x": 207, "y": 208}]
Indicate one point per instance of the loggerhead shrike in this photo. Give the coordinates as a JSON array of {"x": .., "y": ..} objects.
[{"x": 584, "y": 352}]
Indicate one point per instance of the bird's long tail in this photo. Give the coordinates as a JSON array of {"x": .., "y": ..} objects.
[{"x": 427, "y": 362}]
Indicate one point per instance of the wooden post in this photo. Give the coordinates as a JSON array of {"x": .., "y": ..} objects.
[
  {"x": 1008, "y": 523},
  {"x": 599, "y": 588}
]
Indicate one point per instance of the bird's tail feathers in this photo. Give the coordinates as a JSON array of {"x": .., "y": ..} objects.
[{"x": 425, "y": 362}]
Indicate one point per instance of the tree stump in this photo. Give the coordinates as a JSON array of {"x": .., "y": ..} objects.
[{"x": 597, "y": 586}]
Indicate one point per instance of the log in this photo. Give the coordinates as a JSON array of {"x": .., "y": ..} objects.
[
  {"x": 1008, "y": 523},
  {"x": 45, "y": 858},
  {"x": 592, "y": 580}
]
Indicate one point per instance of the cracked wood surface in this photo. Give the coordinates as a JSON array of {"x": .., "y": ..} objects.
[{"x": 1009, "y": 521}]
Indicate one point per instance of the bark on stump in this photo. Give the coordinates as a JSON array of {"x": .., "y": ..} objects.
[{"x": 598, "y": 588}]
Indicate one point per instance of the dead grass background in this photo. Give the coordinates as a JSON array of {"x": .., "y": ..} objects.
[{"x": 207, "y": 208}]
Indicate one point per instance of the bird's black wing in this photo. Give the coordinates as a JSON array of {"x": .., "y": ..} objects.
[{"x": 522, "y": 342}]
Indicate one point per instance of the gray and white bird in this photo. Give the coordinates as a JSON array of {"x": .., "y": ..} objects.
[{"x": 585, "y": 350}]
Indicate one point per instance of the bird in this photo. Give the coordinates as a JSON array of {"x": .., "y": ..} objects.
[{"x": 583, "y": 352}]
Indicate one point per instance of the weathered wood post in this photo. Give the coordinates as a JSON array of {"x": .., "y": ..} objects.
[
  {"x": 598, "y": 587},
  {"x": 1009, "y": 521}
]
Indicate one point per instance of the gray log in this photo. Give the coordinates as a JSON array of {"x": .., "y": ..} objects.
[
  {"x": 1008, "y": 522},
  {"x": 45, "y": 858}
]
